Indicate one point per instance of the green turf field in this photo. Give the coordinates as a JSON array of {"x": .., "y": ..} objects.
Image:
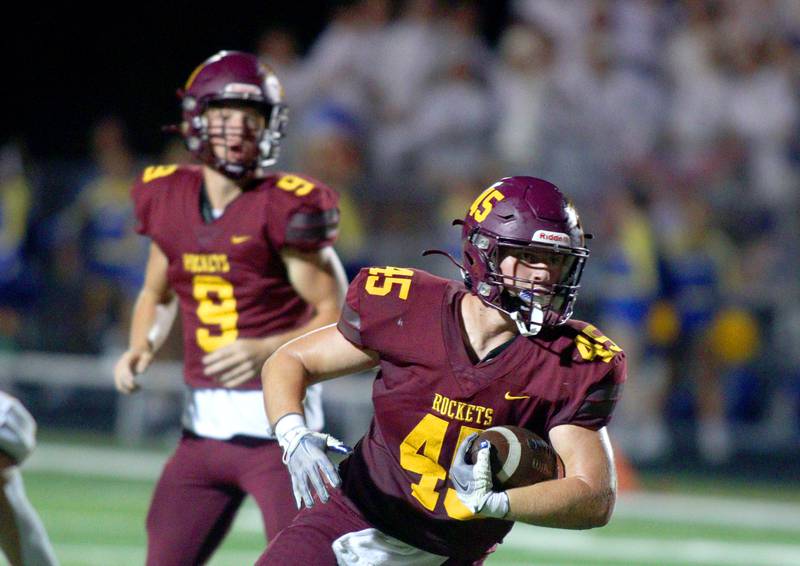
[{"x": 93, "y": 501}]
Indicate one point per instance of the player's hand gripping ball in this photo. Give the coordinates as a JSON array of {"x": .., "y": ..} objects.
[{"x": 518, "y": 457}]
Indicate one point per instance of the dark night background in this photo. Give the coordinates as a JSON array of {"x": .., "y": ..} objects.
[
  {"x": 68, "y": 68},
  {"x": 77, "y": 70}
]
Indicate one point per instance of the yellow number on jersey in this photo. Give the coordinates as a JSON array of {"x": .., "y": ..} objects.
[
  {"x": 216, "y": 306},
  {"x": 419, "y": 453},
  {"x": 295, "y": 184},
  {"x": 483, "y": 205},
  {"x": 593, "y": 344},
  {"x": 427, "y": 436},
  {"x": 391, "y": 276},
  {"x": 157, "y": 171}
]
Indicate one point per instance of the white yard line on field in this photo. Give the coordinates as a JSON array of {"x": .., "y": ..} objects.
[
  {"x": 706, "y": 510},
  {"x": 93, "y": 554},
  {"x": 96, "y": 461},
  {"x": 629, "y": 550},
  {"x": 585, "y": 546}
]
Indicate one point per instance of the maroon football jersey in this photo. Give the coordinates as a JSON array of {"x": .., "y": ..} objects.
[
  {"x": 429, "y": 396},
  {"x": 228, "y": 272}
]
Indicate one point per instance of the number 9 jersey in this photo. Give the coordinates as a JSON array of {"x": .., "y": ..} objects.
[
  {"x": 227, "y": 271},
  {"x": 429, "y": 395}
]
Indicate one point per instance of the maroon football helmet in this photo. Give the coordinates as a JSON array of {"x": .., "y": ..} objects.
[
  {"x": 233, "y": 76},
  {"x": 524, "y": 215}
]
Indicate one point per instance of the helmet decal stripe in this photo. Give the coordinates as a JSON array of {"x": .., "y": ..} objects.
[{"x": 194, "y": 74}]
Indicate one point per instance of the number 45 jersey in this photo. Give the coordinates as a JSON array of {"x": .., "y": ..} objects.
[
  {"x": 429, "y": 395},
  {"x": 227, "y": 272}
]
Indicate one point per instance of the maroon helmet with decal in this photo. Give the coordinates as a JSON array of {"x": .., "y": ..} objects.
[
  {"x": 524, "y": 215},
  {"x": 233, "y": 76}
]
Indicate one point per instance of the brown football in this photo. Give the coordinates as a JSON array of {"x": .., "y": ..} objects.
[{"x": 519, "y": 457}]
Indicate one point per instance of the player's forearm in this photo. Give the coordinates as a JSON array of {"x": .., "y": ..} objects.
[
  {"x": 284, "y": 380},
  {"x": 569, "y": 503},
  {"x": 144, "y": 315},
  {"x": 319, "y": 278}
]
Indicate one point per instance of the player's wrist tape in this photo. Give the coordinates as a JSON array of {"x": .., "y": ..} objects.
[
  {"x": 162, "y": 324},
  {"x": 495, "y": 506},
  {"x": 290, "y": 430}
]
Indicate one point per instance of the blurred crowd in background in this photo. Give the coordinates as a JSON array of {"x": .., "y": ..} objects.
[{"x": 673, "y": 125}]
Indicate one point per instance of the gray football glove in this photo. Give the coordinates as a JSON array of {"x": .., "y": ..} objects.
[
  {"x": 305, "y": 454},
  {"x": 473, "y": 482}
]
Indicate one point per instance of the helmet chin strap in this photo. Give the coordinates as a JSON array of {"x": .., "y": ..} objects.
[
  {"x": 532, "y": 327},
  {"x": 525, "y": 328}
]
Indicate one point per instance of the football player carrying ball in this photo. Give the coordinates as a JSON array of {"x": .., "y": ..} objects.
[{"x": 455, "y": 358}]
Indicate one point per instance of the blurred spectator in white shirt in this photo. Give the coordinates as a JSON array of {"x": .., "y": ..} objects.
[
  {"x": 341, "y": 62},
  {"x": 700, "y": 87},
  {"x": 763, "y": 112},
  {"x": 605, "y": 116},
  {"x": 406, "y": 58},
  {"x": 566, "y": 21},
  {"x": 522, "y": 85}
]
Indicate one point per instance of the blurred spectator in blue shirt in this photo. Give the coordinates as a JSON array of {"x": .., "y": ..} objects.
[{"x": 98, "y": 229}]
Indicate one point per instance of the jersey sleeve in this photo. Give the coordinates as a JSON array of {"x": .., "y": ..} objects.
[
  {"x": 310, "y": 217},
  {"x": 350, "y": 319},
  {"x": 594, "y": 404},
  {"x": 142, "y": 198},
  {"x": 378, "y": 302},
  {"x": 147, "y": 190},
  {"x": 362, "y": 317}
]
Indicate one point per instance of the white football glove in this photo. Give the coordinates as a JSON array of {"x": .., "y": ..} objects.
[
  {"x": 305, "y": 454},
  {"x": 473, "y": 482},
  {"x": 17, "y": 428}
]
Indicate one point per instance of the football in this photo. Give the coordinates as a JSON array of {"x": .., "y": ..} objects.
[{"x": 519, "y": 457}]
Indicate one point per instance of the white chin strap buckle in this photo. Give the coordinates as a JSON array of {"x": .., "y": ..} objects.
[{"x": 532, "y": 327}]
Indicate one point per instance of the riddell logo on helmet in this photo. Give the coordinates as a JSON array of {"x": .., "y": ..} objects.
[
  {"x": 551, "y": 237},
  {"x": 242, "y": 88}
]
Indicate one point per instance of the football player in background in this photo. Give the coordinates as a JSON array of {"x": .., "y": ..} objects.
[
  {"x": 500, "y": 349},
  {"x": 23, "y": 538},
  {"x": 248, "y": 253}
]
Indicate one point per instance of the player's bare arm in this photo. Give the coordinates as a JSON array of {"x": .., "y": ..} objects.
[
  {"x": 314, "y": 357},
  {"x": 155, "y": 292},
  {"x": 317, "y": 356},
  {"x": 318, "y": 277},
  {"x": 581, "y": 500}
]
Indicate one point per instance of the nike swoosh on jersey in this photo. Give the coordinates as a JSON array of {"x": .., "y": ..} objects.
[
  {"x": 510, "y": 397},
  {"x": 239, "y": 239}
]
